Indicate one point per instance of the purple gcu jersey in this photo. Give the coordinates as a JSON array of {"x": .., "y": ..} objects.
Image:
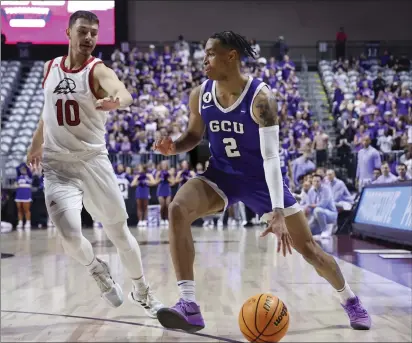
[{"x": 236, "y": 165}]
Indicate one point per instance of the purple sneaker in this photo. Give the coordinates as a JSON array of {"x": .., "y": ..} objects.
[
  {"x": 184, "y": 315},
  {"x": 358, "y": 316}
]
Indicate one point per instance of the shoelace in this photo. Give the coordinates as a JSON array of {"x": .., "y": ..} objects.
[
  {"x": 357, "y": 310},
  {"x": 183, "y": 304}
]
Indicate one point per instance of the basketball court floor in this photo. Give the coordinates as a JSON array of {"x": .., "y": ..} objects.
[{"x": 47, "y": 297}]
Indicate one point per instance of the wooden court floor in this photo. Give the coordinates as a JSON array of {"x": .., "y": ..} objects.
[{"x": 45, "y": 296}]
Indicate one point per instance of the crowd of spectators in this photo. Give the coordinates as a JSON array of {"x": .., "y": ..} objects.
[
  {"x": 372, "y": 98},
  {"x": 160, "y": 81}
]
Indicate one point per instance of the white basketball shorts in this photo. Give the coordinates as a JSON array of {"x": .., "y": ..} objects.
[{"x": 71, "y": 183}]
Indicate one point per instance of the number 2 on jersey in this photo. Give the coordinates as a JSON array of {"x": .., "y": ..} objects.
[
  {"x": 231, "y": 147},
  {"x": 69, "y": 112}
]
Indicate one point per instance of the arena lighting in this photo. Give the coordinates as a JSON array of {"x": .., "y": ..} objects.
[
  {"x": 45, "y": 22},
  {"x": 27, "y": 23}
]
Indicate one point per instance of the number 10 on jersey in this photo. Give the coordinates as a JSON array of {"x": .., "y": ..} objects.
[{"x": 67, "y": 111}]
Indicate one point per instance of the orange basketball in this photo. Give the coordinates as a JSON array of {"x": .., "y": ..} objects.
[{"x": 264, "y": 318}]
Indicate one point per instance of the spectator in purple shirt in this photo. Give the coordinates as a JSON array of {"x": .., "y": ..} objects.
[
  {"x": 403, "y": 103},
  {"x": 287, "y": 67}
]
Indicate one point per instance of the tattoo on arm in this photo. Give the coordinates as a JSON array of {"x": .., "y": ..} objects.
[{"x": 266, "y": 110}]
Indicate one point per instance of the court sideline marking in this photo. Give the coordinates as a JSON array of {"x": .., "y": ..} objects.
[{"x": 123, "y": 322}]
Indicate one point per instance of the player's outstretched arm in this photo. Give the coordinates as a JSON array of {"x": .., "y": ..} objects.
[
  {"x": 196, "y": 127},
  {"x": 34, "y": 153},
  {"x": 265, "y": 112},
  {"x": 193, "y": 134},
  {"x": 107, "y": 80}
]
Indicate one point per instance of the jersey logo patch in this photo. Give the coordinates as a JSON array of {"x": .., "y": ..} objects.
[
  {"x": 207, "y": 97},
  {"x": 65, "y": 86}
]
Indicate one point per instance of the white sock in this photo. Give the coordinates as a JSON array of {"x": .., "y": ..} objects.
[
  {"x": 345, "y": 293},
  {"x": 187, "y": 290},
  {"x": 95, "y": 265},
  {"x": 140, "y": 285}
]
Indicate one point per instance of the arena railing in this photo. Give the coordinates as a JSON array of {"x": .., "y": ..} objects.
[
  {"x": 315, "y": 52},
  {"x": 8, "y": 175}
]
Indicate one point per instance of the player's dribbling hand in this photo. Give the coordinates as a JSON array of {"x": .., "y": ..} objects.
[
  {"x": 277, "y": 226},
  {"x": 108, "y": 104},
  {"x": 165, "y": 146},
  {"x": 34, "y": 158}
]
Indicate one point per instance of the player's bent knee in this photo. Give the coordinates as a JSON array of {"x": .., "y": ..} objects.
[{"x": 178, "y": 211}]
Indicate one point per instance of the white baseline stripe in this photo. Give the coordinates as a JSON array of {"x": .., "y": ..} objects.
[
  {"x": 392, "y": 256},
  {"x": 382, "y": 251}
]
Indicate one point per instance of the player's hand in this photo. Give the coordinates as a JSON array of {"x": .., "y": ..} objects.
[
  {"x": 277, "y": 226},
  {"x": 34, "y": 158},
  {"x": 165, "y": 146},
  {"x": 108, "y": 104}
]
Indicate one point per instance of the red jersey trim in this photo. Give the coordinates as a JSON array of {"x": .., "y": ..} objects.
[
  {"x": 72, "y": 71},
  {"x": 47, "y": 72},
  {"x": 91, "y": 82}
]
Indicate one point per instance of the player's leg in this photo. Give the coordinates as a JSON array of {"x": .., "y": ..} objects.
[
  {"x": 27, "y": 214},
  {"x": 104, "y": 201},
  {"x": 195, "y": 199},
  {"x": 20, "y": 213},
  {"x": 303, "y": 242},
  {"x": 145, "y": 206},
  {"x": 162, "y": 203},
  {"x": 167, "y": 204},
  {"x": 139, "y": 203},
  {"x": 326, "y": 267},
  {"x": 64, "y": 205}
]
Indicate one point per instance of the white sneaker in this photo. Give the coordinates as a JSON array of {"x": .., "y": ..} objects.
[
  {"x": 111, "y": 292},
  {"x": 140, "y": 224},
  {"x": 146, "y": 300},
  {"x": 219, "y": 224},
  {"x": 144, "y": 223},
  {"x": 19, "y": 225},
  {"x": 27, "y": 226}
]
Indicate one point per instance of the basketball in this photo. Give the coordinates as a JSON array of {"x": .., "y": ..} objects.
[{"x": 264, "y": 318}]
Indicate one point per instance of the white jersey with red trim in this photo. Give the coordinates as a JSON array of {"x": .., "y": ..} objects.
[{"x": 72, "y": 124}]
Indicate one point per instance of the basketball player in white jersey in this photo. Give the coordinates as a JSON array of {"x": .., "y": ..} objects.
[{"x": 70, "y": 142}]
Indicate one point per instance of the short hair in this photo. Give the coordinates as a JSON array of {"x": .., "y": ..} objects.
[
  {"x": 385, "y": 163},
  {"x": 235, "y": 41},
  {"x": 89, "y": 16},
  {"x": 403, "y": 165},
  {"x": 377, "y": 169},
  {"x": 317, "y": 175}
]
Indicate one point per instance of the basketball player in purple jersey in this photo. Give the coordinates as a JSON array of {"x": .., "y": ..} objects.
[{"x": 240, "y": 115}]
